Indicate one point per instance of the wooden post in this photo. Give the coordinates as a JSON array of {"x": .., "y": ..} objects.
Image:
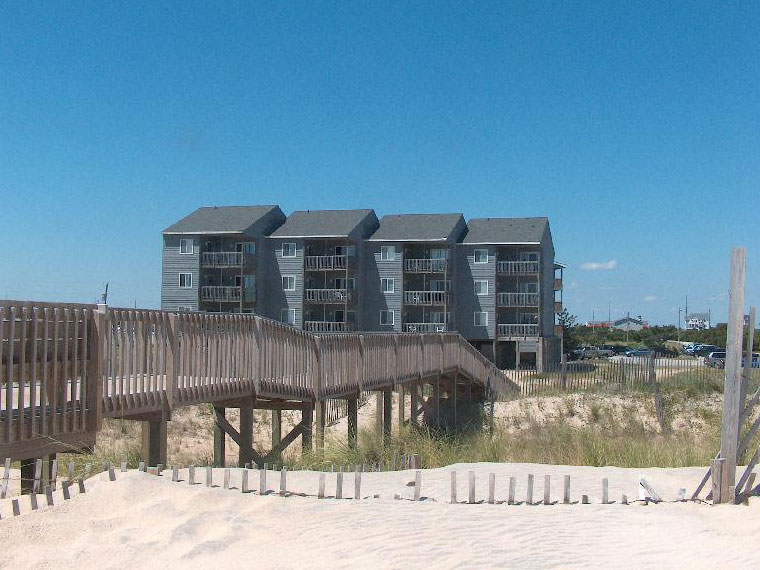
[
  {"x": 191, "y": 475},
  {"x": 276, "y": 431},
  {"x": 27, "y": 476},
  {"x": 307, "y": 418},
  {"x": 49, "y": 495},
  {"x": 733, "y": 379},
  {"x": 357, "y": 484},
  {"x": 529, "y": 495},
  {"x": 244, "y": 481},
  {"x": 320, "y": 409},
  {"x": 353, "y": 420},
  {"x": 417, "y": 485},
  {"x": 226, "y": 484},
  {"x": 387, "y": 415},
  {"x": 283, "y": 481},
  {"x": 401, "y": 408},
  {"x": 453, "y": 487},
  {"x": 154, "y": 437},
  {"x": 512, "y": 489},
  {"x": 717, "y": 479},
  {"x": 605, "y": 491},
  {"x": 219, "y": 439},
  {"x": 339, "y": 484},
  {"x": 37, "y": 476},
  {"x": 471, "y": 488},
  {"x": 209, "y": 476},
  {"x": 263, "y": 480},
  {"x": 321, "y": 490},
  {"x": 379, "y": 414},
  {"x": 547, "y": 490},
  {"x": 566, "y": 493},
  {"x": 175, "y": 475},
  {"x": 65, "y": 488},
  {"x": 6, "y": 475},
  {"x": 747, "y": 372},
  {"x": 491, "y": 487},
  {"x": 563, "y": 368},
  {"x": 415, "y": 404},
  {"x": 246, "y": 435}
]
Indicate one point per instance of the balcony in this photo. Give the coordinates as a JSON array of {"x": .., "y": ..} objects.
[
  {"x": 514, "y": 330},
  {"x": 222, "y": 259},
  {"x": 425, "y": 297},
  {"x": 324, "y": 262},
  {"x": 328, "y": 295},
  {"x": 558, "y": 284},
  {"x": 425, "y": 327},
  {"x": 517, "y": 267},
  {"x": 328, "y": 327},
  {"x": 227, "y": 294},
  {"x": 517, "y": 299},
  {"x": 425, "y": 265}
]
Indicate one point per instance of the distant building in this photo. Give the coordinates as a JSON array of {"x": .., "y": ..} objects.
[
  {"x": 697, "y": 321},
  {"x": 623, "y": 324}
]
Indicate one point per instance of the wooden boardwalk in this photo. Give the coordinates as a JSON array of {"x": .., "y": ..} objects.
[{"x": 64, "y": 367}]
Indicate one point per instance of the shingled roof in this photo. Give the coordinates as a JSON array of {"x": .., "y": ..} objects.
[
  {"x": 220, "y": 219},
  {"x": 419, "y": 227},
  {"x": 325, "y": 223},
  {"x": 506, "y": 230}
]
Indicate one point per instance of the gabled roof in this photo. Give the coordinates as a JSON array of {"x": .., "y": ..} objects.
[
  {"x": 698, "y": 316},
  {"x": 324, "y": 223},
  {"x": 506, "y": 230},
  {"x": 418, "y": 227},
  {"x": 220, "y": 219}
]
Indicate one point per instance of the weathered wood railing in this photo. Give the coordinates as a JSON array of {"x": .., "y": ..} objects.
[{"x": 63, "y": 367}]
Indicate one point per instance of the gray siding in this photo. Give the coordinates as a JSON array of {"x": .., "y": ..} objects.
[
  {"x": 277, "y": 299},
  {"x": 547, "y": 285},
  {"x": 174, "y": 263},
  {"x": 373, "y": 298},
  {"x": 467, "y": 302}
]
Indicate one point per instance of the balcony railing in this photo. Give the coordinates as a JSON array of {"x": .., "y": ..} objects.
[
  {"x": 425, "y": 265},
  {"x": 424, "y": 327},
  {"x": 325, "y": 262},
  {"x": 225, "y": 259},
  {"x": 222, "y": 293},
  {"x": 517, "y": 299},
  {"x": 514, "y": 330},
  {"x": 328, "y": 295},
  {"x": 558, "y": 284},
  {"x": 517, "y": 267},
  {"x": 328, "y": 327},
  {"x": 425, "y": 297}
]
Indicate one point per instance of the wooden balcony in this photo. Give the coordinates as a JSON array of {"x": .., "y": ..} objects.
[
  {"x": 558, "y": 284},
  {"x": 222, "y": 259},
  {"x": 516, "y": 331},
  {"x": 517, "y": 299},
  {"x": 328, "y": 327},
  {"x": 425, "y": 265},
  {"x": 425, "y": 297},
  {"x": 328, "y": 295},
  {"x": 324, "y": 262},
  {"x": 425, "y": 327},
  {"x": 517, "y": 267},
  {"x": 223, "y": 293}
]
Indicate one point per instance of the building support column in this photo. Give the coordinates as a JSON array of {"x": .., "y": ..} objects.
[
  {"x": 387, "y": 415},
  {"x": 413, "y": 412},
  {"x": 320, "y": 412},
  {"x": 219, "y": 439},
  {"x": 246, "y": 435},
  {"x": 353, "y": 420},
  {"x": 307, "y": 417},
  {"x": 276, "y": 431},
  {"x": 154, "y": 441}
]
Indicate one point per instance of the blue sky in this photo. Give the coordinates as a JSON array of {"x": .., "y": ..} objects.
[{"x": 635, "y": 127}]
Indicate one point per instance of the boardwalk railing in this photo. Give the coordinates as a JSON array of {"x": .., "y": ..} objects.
[{"x": 64, "y": 367}]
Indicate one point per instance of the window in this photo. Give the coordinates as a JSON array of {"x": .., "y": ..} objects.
[
  {"x": 481, "y": 256},
  {"x": 529, "y": 287},
  {"x": 288, "y": 250},
  {"x": 389, "y": 284},
  {"x": 528, "y": 256},
  {"x": 386, "y": 317},
  {"x": 439, "y": 317},
  {"x": 438, "y": 254},
  {"x": 288, "y": 316},
  {"x": 481, "y": 286},
  {"x": 246, "y": 247},
  {"x": 186, "y": 246},
  {"x": 186, "y": 280},
  {"x": 184, "y": 308},
  {"x": 343, "y": 283},
  {"x": 288, "y": 282},
  {"x": 481, "y": 319},
  {"x": 349, "y": 250},
  {"x": 440, "y": 285},
  {"x": 387, "y": 252}
]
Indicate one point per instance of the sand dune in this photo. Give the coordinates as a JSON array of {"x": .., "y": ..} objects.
[{"x": 148, "y": 520}]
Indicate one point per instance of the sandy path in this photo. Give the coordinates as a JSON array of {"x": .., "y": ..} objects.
[{"x": 151, "y": 521}]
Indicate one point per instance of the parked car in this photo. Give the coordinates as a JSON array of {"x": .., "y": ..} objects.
[
  {"x": 706, "y": 349},
  {"x": 637, "y": 352},
  {"x": 665, "y": 351},
  {"x": 755, "y": 361},
  {"x": 716, "y": 359},
  {"x": 615, "y": 348},
  {"x": 589, "y": 352}
]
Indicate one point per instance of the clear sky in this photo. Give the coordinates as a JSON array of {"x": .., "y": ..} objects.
[{"x": 635, "y": 127}]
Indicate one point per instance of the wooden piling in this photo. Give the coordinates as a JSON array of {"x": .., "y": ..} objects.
[
  {"x": 175, "y": 475},
  {"x": 191, "y": 475},
  {"x": 529, "y": 495},
  {"x": 512, "y": 489},
  {"x": 453, "y": 487},
  {"x": 6, "y": 475},
  {"x": 339, "y": 484},
  {"x": 605, "y": 491},
  {"x": 65, "y": 488},
  {"x": 321, "y": 490},
  {"x": 209, "y": 476},
  {"x": 226, "y": 484},
  {"x": 80, "y": 482},
  {"x": 244, "y": 481},
  {"x": 471, "y": 487},
  {"x": 566, "y": 492},
  {"x": 417, "y": 485},
  {"x": 491, "y": 488},
  {"x": 16, "y": 508},
  {"x": 111, "y": 473},
  {"x": 357, "y": 484},
  {"x": 547, "y": 490},
  {"x": 49, "y": 495},
  {"x": 584, "y": 499},
  {"x": 263, "y": 480},
  {"x": 283, "y": 481}
]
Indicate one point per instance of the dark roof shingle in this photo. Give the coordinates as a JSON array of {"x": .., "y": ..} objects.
[
  {"x": 322, "y": 223},
  {"x": 214, "y": 219},
  {"x": 418, "y": 227},
  {"x": 506, "y": 230}
]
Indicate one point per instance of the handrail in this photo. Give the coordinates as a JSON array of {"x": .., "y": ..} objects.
[
  {"x": 517, "y": 267},
  {"x": 517, "y": 299}
]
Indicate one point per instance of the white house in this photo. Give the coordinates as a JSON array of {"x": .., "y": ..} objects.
[{"x": 697, "y": 321}]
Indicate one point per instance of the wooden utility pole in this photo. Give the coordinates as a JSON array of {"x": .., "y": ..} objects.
[{"x": 733, "y": 379}]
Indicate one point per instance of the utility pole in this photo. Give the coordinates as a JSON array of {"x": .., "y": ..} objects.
[
  {"x": 679, "y": 324},
  {"x": 627, "y": 325}
]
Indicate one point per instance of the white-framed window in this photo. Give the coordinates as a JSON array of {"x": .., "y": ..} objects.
[
  {"x": 246, "y": 247},
  {"x": 186, "y": 246},
  {"x": 528, "y": 256},
  {"x": 288, "y": 250},
  {"x": 480, "y": 319},
  {"x": 481, "y": 256},
  {"x": 481, "y": 286},
  {"x": 387, "y": 317},
  {"x": 288, "y": 282},
  {"x": 184, "y": 308},
  {"x": 185, "y": 280},
  {"x": 343, "y": 283},
  {"x": 288, "y": 316},
  {"x": 389, "y": 284},
  {"x": 438, "y": 254},
  {"x": 387, "y": 252}
]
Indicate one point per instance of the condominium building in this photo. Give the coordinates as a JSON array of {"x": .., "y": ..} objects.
[{"x": 493, "y": 280}]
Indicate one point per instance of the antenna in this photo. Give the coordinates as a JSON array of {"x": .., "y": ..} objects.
[{"x": 104, "y": 296}]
